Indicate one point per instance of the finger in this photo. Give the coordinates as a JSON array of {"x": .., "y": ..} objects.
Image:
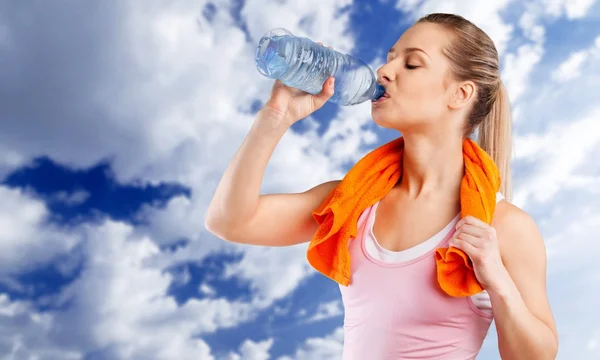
[
  {"x": 472, "y": 221},
  {"x": 474, "y": 241},
  {"x": 483, "y": 231},
  {"x": 328, "y": 88},
  {"x": 463, "y": 245},
  {"x": 472, "y": 230}
]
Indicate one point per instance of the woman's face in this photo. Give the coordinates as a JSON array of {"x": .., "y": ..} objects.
[{"x": 416, "y": 78}]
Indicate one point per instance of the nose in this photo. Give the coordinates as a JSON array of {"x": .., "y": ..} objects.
[{"x": 385, "y": 75}]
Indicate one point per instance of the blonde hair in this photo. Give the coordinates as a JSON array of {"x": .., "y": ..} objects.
[{"x": 473, "y": 56}]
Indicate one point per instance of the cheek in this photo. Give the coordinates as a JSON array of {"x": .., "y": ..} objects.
[
  {"x": 425, "y": 99},
  {"x": 420, "y": 102}
]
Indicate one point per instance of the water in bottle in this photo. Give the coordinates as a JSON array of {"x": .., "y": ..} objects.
[{"x": 303, "y": 64}]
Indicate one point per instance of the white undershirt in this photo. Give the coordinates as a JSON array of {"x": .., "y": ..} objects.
[{"x": 480, "y": 300}]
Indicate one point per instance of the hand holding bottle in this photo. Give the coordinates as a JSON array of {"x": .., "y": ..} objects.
[{"x": 291, "y": 105}]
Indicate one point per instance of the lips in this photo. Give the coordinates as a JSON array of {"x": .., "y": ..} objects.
[{"x": 382, "y": 98}]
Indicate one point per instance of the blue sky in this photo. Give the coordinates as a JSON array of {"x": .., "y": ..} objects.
[{"x": 119, "y": 117}]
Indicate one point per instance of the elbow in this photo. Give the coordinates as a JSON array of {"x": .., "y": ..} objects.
[
  {"x": 214, "y": 225},
  {"x": 219, "y": 227},
  {"x": 209, "y": 225}
]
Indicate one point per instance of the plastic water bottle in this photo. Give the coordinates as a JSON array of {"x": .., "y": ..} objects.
[{"x": 303, "y": 64}]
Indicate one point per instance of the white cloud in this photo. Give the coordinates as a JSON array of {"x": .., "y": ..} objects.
[
  {"x": 573, "y": 9},
  {"x": 551, "y": 10},
  {"x": 9, "y": 160},
  {"x": 572, "y": 67},
  {"x": 273, "y": 273},
  {"x": 122, "y": 303},
  {"x": 72, "y": 199},
  {"x": 146, "y": 94},
  {"x": 119, "y": 308},
  {"x": 348, "y": 137},
  {"x": 517, "y": 68},
  {"x": 559, "y": 155},
  {"x": 207, "y": 290},
  {"x": 594, "y": 340},
  {"x": 531, "y": 29},
  {"x": 315, "y": 19},
  {"x": 325, "y": 311},
  {"x": 328, "y": 347},
  {"x": 27, "y": 239},
  {"x": 24, "y": 333},
  {"x": 251, "y": 350}
]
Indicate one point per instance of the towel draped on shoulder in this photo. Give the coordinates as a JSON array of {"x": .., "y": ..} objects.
[{"x": 368, "y": 181}]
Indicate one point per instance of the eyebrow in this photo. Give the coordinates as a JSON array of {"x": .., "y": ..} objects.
[{"x": 409, "y": 50}]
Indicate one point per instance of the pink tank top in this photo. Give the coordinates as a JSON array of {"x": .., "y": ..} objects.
[{"x": 396, "y": 310}]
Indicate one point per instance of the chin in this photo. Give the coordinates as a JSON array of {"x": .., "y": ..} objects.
[
  {"x": 387, "y": 120},
  {"x": 398, "y": 121}
]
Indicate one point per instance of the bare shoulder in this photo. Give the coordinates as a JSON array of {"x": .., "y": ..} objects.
[{"x": 517, "y": 233}]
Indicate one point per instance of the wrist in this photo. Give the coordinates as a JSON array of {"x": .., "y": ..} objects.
[
  {"x": 271, "y": 121},
  {"x": 504, "y": 287}
]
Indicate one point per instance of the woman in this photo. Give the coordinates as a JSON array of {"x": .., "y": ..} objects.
[{"x": 442, "y": 82}]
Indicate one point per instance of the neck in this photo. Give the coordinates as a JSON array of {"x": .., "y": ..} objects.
[{"x": 431, "y": 165}]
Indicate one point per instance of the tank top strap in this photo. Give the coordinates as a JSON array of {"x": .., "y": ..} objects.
[{"x": 364, "y": 217}]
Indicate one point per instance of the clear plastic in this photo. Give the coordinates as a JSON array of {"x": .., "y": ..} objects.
[{"x": 303, "y": 64}]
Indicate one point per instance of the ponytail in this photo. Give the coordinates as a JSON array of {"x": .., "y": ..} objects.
[{"x": 495, "y": 137}]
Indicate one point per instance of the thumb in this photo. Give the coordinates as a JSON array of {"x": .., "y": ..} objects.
[{"x": 321, "y": 98}]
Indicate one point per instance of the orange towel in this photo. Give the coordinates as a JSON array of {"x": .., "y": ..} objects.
[{"x": 370, "y": 180}]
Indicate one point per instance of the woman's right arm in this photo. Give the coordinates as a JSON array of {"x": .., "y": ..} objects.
[{"x": 238, "y": 212}]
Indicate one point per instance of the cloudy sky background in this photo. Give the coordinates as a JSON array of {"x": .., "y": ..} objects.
[{"x": 117, "y": 119}]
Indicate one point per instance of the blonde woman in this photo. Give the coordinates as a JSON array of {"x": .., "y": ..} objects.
[{"x": 442, "y": 83}]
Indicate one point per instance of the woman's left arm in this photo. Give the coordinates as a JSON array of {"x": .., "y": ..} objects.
[
  {"x": 524, "y": 321},
  {"x": 509, "y": 259}
]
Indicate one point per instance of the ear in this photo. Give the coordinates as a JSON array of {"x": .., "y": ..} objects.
[{"x": 463, "y": 93}]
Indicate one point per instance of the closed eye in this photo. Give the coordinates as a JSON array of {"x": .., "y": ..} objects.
[{"x": 410, "y": 67}]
